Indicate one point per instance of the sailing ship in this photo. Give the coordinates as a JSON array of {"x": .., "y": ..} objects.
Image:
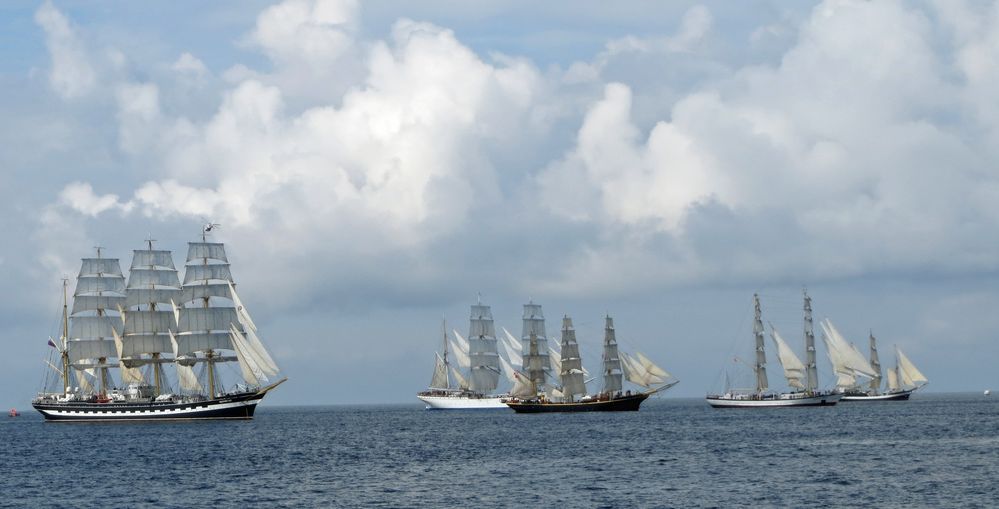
[
  {"x": 901, "y": 382},
  {"x": 478, "y": 354},
  {"x": 149, "y": 326},
  {"x": 571, "y": 394},
  {"x": 803, "y": 377}
]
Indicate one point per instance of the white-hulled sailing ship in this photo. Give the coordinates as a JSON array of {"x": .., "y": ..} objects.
[
  {"x": 900, "y": 382},
  {"x": 478, "y": 354},
  {"x": 800, "y": 376},
  {"x": 531, "y": 396},
  {"x": 150, "y": 327}
]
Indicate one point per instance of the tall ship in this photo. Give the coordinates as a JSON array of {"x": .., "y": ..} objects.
[
  {"x": 802, "y": 377},
  {"x": 151, "y": 330},
  {"x": 569, "y": 394},
  {"x": 478, "y": 354},
  {"x": 900, "y": 382}
]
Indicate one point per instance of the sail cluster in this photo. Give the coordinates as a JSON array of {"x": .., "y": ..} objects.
[
  {"x": 848, "y": 363},
  {"x": 527, "y": 362},
  {"x": 152, "y": 319}
]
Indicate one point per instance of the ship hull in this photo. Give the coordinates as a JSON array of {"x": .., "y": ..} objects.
[
  {"x": 774, "y": 402},
  {"x": 461, "y": 402},
  {"x": 233, "y": 406},
  {"x": 892, "y": 396},
  {"x": 622, "y": 404}
]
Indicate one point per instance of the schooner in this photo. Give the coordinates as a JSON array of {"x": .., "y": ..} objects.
[{"x": 150, "y": 327}]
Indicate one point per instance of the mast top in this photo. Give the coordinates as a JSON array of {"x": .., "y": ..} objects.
[
  {"x": 208, "y": 227},
  {"x": 98, "y": 248},
  {"x": 149, "y": 241}
]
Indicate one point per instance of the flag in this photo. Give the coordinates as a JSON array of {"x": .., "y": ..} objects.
[{"x": 53, "y": 345}]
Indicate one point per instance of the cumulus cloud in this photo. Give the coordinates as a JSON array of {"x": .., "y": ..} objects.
[
  {"x": 71, "y": 75},
  {"x": 80, "y": 197}
]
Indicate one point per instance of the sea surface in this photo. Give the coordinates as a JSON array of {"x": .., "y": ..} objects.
[{"x": 933, "y": 451}]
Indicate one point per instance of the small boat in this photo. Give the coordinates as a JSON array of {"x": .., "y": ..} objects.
[{"x": 13, "y": 413}]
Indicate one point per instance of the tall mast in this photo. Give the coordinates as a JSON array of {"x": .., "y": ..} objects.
[
  {"x": 875, "y": 382},
  {"x": 812, "y": 382},
  {"x": 447, "y": 376},
  {"x": 65, "y": 337},
  {"x": 157, "y": 370},
  {"x": 611, "y": 358},
  {"x": 761, "y": 356}
]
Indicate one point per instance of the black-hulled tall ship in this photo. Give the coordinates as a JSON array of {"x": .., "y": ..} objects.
[
  {"x": 901, "y": 381},
  {"x": 150, "y": 328},
  {"x": 571, "y": 394}
]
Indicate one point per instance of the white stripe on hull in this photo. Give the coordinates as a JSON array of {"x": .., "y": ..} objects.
[
  {"x": 893, "y": 395},
  {"x": 460, "y": 403},
  {"x": 125, "y": 414},
  {"x": 826, "y": 399}
]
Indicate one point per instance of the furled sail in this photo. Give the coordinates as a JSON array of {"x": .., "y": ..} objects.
[
  {"x": 794, "y": 369},
  {"x": 908, "y": 374},
  {"x": 483, "y": 355},
  {"x": 612, "y": 367},
  {"x": 571, "y": 373}
]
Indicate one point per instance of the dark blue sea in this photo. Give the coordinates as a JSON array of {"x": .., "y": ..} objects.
[{"x": 932, "y": 451}]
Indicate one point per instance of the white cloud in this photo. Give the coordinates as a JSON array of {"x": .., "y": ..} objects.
[
  {"x": 71, "y": 75},
  {"x": 187, "y": 63},
  {"x": 80, "y": 197}
]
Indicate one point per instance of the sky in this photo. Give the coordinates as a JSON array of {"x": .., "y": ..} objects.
[{"x": 377, "y": 166}]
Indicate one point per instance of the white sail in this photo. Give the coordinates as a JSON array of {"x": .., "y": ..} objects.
[
  {"x": 187, "y": 379},
  {"x": 571, "y": 366},
  {"x": 460, "y": 355},
  {"x": 263, "y": 358},
  {"x": 141, "y": 296},
  {"x": 152, "y": 258},
  {"x": 203, "y": 251},
  {"x": 794, "y": 369},
  {"x": 83, "y": 378},
  {"x": 910, "y": 376},
  {"x": 512, "y": 353},
  {"x": 556, "y": 361},
  {"x": 892, "y": 380},
  {"x": 244, "y": 315},
  {"x": 198, "y": 273},
  {"x": 248, "y": 361},
  {"x": 95, "y": 284},
  {"x": 439, "y": 380},
  {"x": 200, "y": 291},
  {"x": 462, "y": 383},
  {"x": 83, "y": 303},
  {"x": 128, "y": 375},
  {"x": 152, "y": 278},
  {"x": 512, "y": 340},
  {"x": 483, "y": 354},
  {"x": 185, "y": 374},
  {"x": 103, "y": 267},
  {"x": 536, "y": 363},
  {"x": 522, "y": 387},
  {"x": 461, "y": 341},
  {"x": 845, "y": 358},
  {"x": 651, "y": 367},
  {"x": 613, "y": 368},
  {"x": 637, "y": 374},
  {"x": 207, "y": 319}
]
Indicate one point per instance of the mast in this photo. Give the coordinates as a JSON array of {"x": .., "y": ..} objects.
[
  {"x": 482, "y": 352},
  {"x": 761, "y": 356},
  {"x": 572, "y": 365},
  {"x": 536, "y": 358},
  {"x": 875, "y": 383},
  {"x": 100, "y": 288},
  {"x": 65, "y": 337},
  {"x": 447, "y": 376},
  {"x": 611, "y": 359},
  {"x": 812, "y": 376},
  {"x": 152, "y": 284}
]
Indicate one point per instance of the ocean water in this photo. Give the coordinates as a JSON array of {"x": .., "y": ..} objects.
[{"x": 932, "y": 451}]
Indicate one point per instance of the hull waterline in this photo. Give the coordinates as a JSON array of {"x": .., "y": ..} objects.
[
  {"x": 774, "y": 402},
  {"x": 622, "y": 404},
  {"x": 893, "y": 396}
]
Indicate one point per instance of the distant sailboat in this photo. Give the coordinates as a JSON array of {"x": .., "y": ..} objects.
[
  {"x": 479, "y": 355},
  {"x": 901, "y": 382},
  {"x": 571, "y": 394},
  {"x": 800, "y": 376}
]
